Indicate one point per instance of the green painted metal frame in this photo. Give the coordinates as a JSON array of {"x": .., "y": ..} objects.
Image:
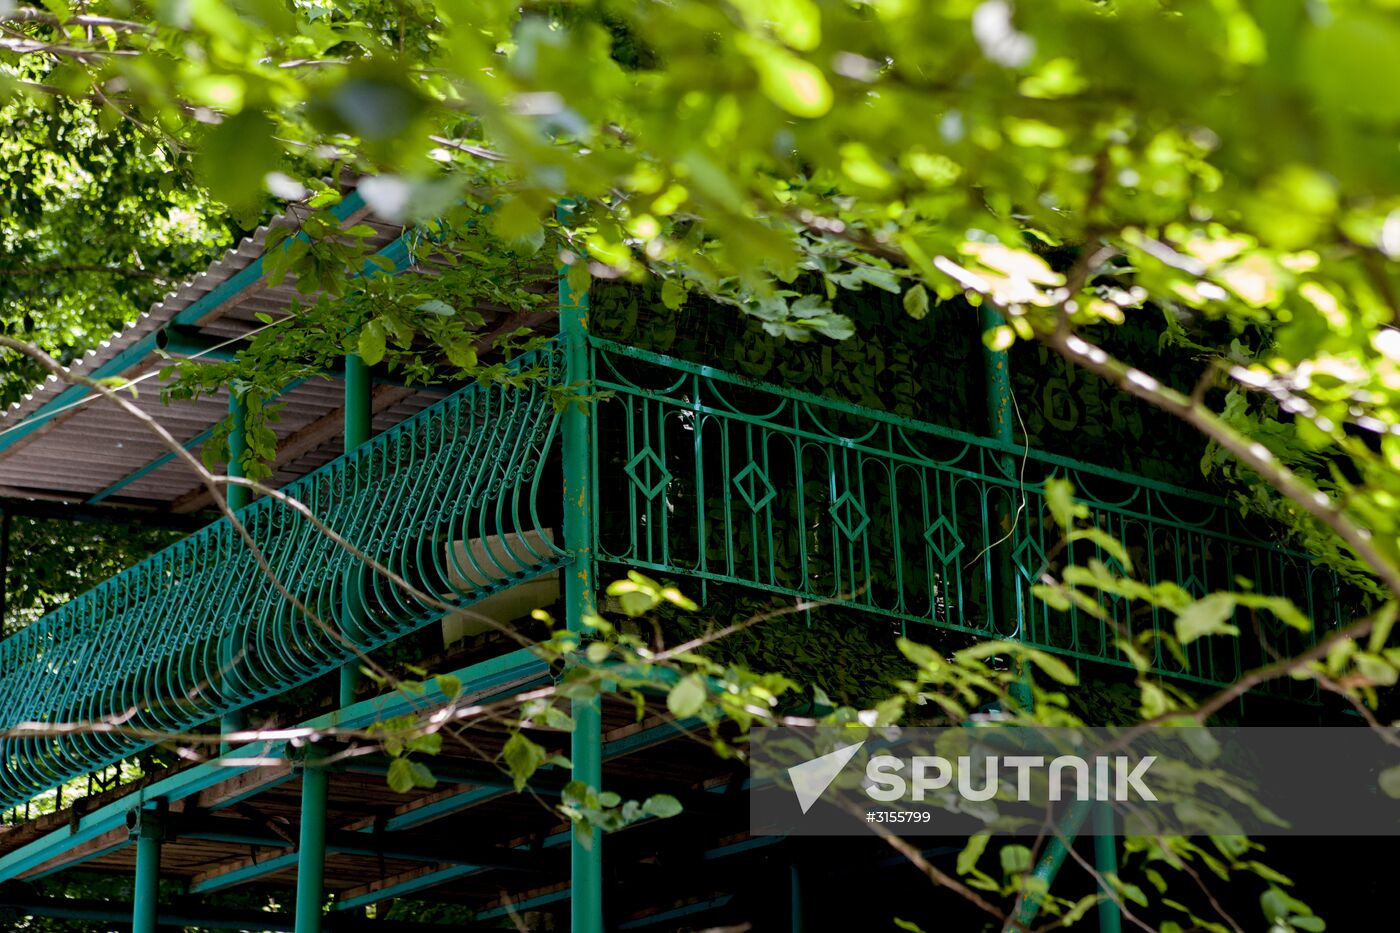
[
  {"x": 586, "y": 742},
  {"x": 358, "y": 418},
  {"x": 705, "y": 473},
  {"x": 712, "y": 475},
  {"x": 311, "y": 844},
  {"x": 198, "y": 630},
  {"x": 610, "y": 751},
  {"x": 145, "y": 894},
  {"x": 479, "y": 680}
]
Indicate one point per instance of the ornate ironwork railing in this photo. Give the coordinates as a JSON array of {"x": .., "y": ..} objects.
[
  {"x": 696, "y": 472},
  {"x": 705, "y": 473},
  {"x": 449, "y": 499}
]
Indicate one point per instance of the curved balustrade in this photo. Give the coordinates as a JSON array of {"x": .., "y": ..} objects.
[
  {"x": 697, "y": 471},
  {"x": 705, "y": 473},
  {"x": 454, "y": 500}
]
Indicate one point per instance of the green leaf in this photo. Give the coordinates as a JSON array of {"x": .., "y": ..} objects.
[
  {"x": 578, "y": 278},
  {"x": 1053, "y": 667},
  {"x": 916, "y": 302},
  {"x": 430, "y": 743},
  {"x": 1207, "y": 616},
  {"x": 373, "y": 342},
  {"x": 1059, "y": 498},
  {"x": 523, "y": 758},
  {"x": 1380, "y": 629},
  {"x": 556, "y": 718},
  {"x": 461, "y": 353},
  {"x": 794, "y": 84},
  {"x": 1389, "y": 780},
  {"x": 450, "y": 686},
  {"x": 440, "y": 308},
  {"x": 672, "y": 294},
  {"x": 687, "y": 697},
  {"x": 662, "y": 806},
  {"x": 1015, "y": 859},
  {"x": 1106, "y": 542},
  {"x": 401, "y": 776},
  {"x": 967, "y": 858},
  {"x": 236, "y": 156}
]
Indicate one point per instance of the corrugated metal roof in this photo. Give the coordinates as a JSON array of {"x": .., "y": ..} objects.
[{"x": 92, "y": 451}]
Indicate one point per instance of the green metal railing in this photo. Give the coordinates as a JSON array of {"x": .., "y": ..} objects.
[
  {"x": 450, "y": 499},
  {"x": 704, "y": 473},
  {"x": 696, "y": 471}
]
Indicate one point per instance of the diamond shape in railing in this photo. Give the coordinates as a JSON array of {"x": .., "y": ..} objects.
[
  {"x": 641, "y": 467},
  {"x": 849, "y": 515},
  {"x": 1029, "y": 548},
  {"x": 943, "y": 539},
  {"x": 754, "y": 486}
]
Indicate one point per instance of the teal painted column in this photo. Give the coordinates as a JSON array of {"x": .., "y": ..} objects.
[
  {"x": 586, "y": 749},
  {"x": 145, "y": 895},
  {"x": 357, "y": 430},
  {"x": 1001, "y": 420},
  {"x": 1051, "y": 860},
  {"x": 238, "y": 497},
  {"x": 1106, "y": 863},
  {"x": 311, "y": 843},
  {"x": 1001, "y": 417}
]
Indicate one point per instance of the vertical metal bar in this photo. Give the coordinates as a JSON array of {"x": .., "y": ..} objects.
[
  {"x": 145, "y": 900},
  {"x": 586, "y": 848},
  {"x": 238, "y": 497},
  {"x": 1106, "y": 864},
  {"x": 311, "y": 844},
  {"x": 357, "y": 430}
]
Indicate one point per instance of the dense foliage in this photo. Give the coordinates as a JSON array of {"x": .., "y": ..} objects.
[
  {"x": 94, "y": 227},
  {"x": 1222, "y": 168}
]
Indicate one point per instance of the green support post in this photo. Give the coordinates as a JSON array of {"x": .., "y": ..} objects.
[
  {"x": 1001, "y": 415},
  {"x": 1106, "y": 863},
  {"x": 238, "y": 497},
  {"x": 1056, "y": 850},
  {"x": 586, "y": 748},
  {"x": 311, "y": 843},
  {"x": 357, "y": 430},
  {"x": 145, "y": 895}
]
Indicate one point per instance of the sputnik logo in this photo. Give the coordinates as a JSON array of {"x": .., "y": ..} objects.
[{"x": 811, "y": 778}]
